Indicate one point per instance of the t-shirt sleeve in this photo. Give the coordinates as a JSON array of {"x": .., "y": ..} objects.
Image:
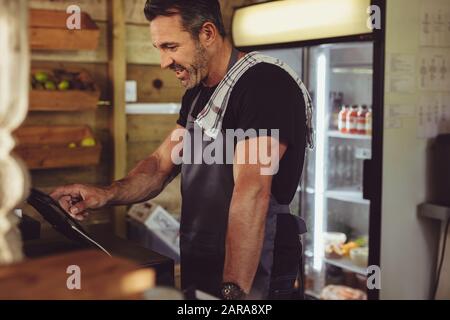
[
  {"x": 271, "y": 99},
  {"x": 184, "y": 110}
]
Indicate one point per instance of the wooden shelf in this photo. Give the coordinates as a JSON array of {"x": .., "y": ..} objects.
[
  {"x": 69, "y": 100},
  {"x": 48, "y": 31},
  {"x": 48, "y": 147}
]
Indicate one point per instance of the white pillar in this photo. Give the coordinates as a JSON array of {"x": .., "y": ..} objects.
[{"x": 14, "y": 86}]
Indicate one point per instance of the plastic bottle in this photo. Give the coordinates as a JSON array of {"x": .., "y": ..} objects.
[
  {"x": 352, "y": 117},
  {"x": 332, "y": 166},
  {"x": 336, "y": 103},
  {"x": 340, "y": 165},
  {"x": 332, "y": 110},
  {"x": 361, "y": 122},
  {"x": 357, "y": 174},
  {"x": 349, "y": 163},
  {"x": 342, "y": 119},
  {"x": 369, "y": 122}
]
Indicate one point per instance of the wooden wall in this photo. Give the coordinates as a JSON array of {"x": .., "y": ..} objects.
[{"x": 96, "y": 63}]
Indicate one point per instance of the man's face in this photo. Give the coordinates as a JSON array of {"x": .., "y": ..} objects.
[{"x": 179, "y": 51}]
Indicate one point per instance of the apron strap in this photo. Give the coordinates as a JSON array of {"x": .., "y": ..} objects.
[{"x": 233, "y": 59}]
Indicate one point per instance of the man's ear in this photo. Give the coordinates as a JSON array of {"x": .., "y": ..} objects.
[{"x": 208, "y": 34}]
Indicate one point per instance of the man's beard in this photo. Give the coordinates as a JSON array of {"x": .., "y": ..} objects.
[{"x": 196, "y": 72}]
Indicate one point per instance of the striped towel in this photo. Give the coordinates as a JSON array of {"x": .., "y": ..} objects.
[{"x": 211, "y": 117}]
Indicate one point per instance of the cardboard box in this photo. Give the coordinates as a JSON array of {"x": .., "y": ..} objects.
[{"x": 155, "y": 228}]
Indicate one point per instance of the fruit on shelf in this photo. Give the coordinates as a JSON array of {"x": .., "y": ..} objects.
[
  {"x": 62, "y": 80},
  {"x": 333, "y": 251},
  {"x": 50, "y": 85},
  {"x": 72, "y": 145},
  {"x": 338, "y": 251},
  {"x": 64, "y": 85},
  {"x": 346, "y": 248},
  {"x": 41, "y": 76},
  {"x": 88, "y": 142},
  {"x": 361, "y": 241}
]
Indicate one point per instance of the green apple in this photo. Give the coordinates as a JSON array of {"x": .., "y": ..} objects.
[
  {"x": 41, "y": 76},
  {"x": 50, "y": 85},
  {"x": 64, "y": 85}
]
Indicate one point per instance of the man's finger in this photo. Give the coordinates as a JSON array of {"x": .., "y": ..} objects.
[
  {"x": 72, "y": 191},
  {"x": 65, "y": 202},
  {"x": 78, "y": 208},
  {"x": 80, "y": 217},
  {"x": 81, "y": 206}
]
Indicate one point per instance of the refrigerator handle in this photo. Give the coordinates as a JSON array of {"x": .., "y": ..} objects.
[{"x": 367, "y": 181}]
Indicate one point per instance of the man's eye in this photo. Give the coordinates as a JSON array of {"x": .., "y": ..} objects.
[{"x": 172, "y": 48}]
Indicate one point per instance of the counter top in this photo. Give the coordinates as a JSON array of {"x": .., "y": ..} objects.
[
  {"x": 118, "y": 247},
  {"x": 101, "y": 278}
]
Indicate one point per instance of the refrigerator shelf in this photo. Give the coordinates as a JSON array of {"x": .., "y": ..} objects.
[
  {"x": 352, "y": 70},
  {"x": 346, "y": 264},
  {"x": 347, "y": 196},
  {"x": 340, "y": 135}
]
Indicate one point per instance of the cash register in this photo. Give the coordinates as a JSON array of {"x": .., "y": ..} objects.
[{"x": 71, "y": 236}]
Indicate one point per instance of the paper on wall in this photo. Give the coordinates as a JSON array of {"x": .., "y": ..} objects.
[
  {"x": 393, "y": 123},
  {"x": 435, "y": 24},
  {"x": 434, "y": 70},
  {"x": 401, "y": 111},
  {"x": 433, "y": 115},
  {"x": 401, "y": 73},
  {"x": 395, "y": 114}
]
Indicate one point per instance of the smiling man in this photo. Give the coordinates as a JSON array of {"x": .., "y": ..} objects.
[{"x": 229, "y": 241}]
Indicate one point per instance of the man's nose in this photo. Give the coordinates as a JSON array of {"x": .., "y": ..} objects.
[{"x": 166, "y": 61}]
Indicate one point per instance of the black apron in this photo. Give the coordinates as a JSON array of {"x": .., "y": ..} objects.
[{"x": 206, "y": 196}]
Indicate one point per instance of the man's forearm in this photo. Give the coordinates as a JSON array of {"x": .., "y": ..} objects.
[
  {"x": 144, "y": 182},
  {"x": 245, "y": 235}
]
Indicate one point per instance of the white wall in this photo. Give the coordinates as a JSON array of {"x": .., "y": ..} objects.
[{"x": 408, "y": 246}]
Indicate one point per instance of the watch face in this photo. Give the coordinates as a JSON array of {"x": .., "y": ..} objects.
[{"x": 231, "y": 291}]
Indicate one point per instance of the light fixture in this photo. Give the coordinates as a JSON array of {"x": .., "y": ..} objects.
[{"x": 299, "y": 20}]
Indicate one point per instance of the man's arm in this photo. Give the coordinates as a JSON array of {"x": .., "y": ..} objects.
[
  {"x": 150, "y": 176},
  {"x": 144, "y": 182},
  {"x": 247, "y": 214}
]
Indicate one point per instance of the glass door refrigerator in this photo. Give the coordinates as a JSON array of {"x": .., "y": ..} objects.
[
  {"x": 340, "y": 79},
  {"x": 341, "y": 63}
]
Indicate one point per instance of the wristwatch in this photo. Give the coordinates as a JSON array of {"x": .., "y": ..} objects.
[{"x": 231, "y": 291}]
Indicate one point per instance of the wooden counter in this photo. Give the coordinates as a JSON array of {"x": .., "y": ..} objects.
[{"x": 102, "y": 278}]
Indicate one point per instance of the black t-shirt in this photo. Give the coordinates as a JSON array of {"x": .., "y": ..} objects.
[{"x": 265, "y": 97}]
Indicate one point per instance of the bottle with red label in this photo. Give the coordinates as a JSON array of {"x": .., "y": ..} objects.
[
  {"x": 361, "y": 122},
  {"x": 342, "y": 119},
  {"x": 352, "y": 120}
]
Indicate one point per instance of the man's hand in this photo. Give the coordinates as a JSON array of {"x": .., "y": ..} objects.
[
  {"x": 77, "y": 199},
  {"x": 144, "y": 182}
]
